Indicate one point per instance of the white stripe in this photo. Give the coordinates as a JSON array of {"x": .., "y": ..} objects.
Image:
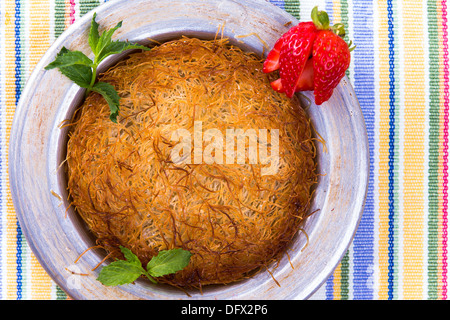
[
  {"x": 351, "y": 272},
  {"x": 307, "y": 6},
  {"x": 77, "y": 10},
  {"x": 400, "y": 126},
  {"x": 25, "y": 41}
]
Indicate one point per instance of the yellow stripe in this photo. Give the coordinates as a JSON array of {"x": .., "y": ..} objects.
[
  {"x": 39, "y": 41},
  {"x": 337, "y": 12},
  {"x": 383, "y": 174},
  {"x": 414, "y": 145},
  {"x": 337, "y": 295},
  {"x": 67, "y": 15}
]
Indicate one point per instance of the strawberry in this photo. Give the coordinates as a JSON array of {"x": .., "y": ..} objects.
[
  {"x": 310, "y": 56},
  {"x": 295, "y": 52},
  {"x": 331, "y": 58},
  {"x": 304, "y": 83},
  {"x": 272, "y": 61}
]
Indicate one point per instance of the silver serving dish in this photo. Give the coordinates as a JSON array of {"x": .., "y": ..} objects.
[{"x": 37, "y": 148}]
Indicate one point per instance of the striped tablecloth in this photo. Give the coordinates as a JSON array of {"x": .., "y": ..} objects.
[{"x": 400, "y": 72}]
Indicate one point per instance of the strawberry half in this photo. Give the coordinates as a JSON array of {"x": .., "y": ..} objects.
[
  {"x": 272, "y": 61},
  {"x": 310, "y": 56},
  {"x": 304, "y": 83},
  {"x": 296, "y": 50},
  {"x": 331, "y": 58}
]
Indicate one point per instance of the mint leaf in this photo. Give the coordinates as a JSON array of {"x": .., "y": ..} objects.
[
  {"x": 66, "y": 58},
  {"x": 119, "y": 47},
  {"x": 103, "y": 41},
  {"x": 79, "y": 74},
  {"x": 83, "y": 71},
  {"x": 126, "y": 271},
  {"x": 130, "y": 256},
  {"x": 93, "y": 34},
  {"x": 168, "y": 261},
  {"x": 119, "y": 272},
  {"x": 110, "y": 94}
]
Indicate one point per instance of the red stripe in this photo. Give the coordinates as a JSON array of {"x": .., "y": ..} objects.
[{"x": 72, "y": 12}]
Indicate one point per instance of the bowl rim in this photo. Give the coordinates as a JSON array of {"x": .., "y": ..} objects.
[{"x": 21, "y": 112}]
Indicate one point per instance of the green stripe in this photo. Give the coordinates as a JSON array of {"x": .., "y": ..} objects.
[
  {"x": 60, "y": 294},
  {"x": 433, "y": 158},
  {"x": 87, "y": 5},
  {"x": 292, "y": 7},
  {"x": 60, "y": 11},
  {"x": 345, "y": 266}
]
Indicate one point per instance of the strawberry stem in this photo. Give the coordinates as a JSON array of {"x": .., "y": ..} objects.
[
  {"x": 320, "y": 19},
  {"x": 339, "y": 29}
]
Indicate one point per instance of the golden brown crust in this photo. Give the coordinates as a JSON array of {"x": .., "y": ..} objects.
[{"x": 230, "y": 217}]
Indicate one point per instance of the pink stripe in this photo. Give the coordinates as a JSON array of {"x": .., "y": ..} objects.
[
  {"x": 72, "y": 12},
  {"x": 445, "y": 173}
]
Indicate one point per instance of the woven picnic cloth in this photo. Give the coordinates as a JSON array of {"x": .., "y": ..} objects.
[{"x": 400, "y": 73}]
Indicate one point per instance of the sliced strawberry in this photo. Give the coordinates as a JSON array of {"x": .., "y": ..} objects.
[
  {"x": 277, "y": 86},
  {"x": 296, "y": 50},
  {"x": 304, "y": 83},
  {"x": 331, "y": 57},
  {"x": 272, "y": 61},
  {"x": 306, "y": 80},
  {"x": 310, "y": 56}
]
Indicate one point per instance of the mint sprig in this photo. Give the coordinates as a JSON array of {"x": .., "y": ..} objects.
[
  {"x": 126, "y": 271},
  {"x": 79, "y": 68}
]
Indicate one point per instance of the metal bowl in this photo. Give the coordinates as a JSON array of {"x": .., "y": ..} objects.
[{"x": 38, "y": 146}]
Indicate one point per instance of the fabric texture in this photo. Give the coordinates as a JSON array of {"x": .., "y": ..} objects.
[{"x": 400, "y": 73}]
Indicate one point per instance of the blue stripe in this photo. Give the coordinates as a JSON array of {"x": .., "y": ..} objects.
[
  {"x": 391, "y": 149},
  {"x": 329, "y": 288},
  {"x": 18, "y": 87},
  {"x": 278, "y": 3},
  {"x": 364, "y": 85},
  {"x": 329, "y": 10}
]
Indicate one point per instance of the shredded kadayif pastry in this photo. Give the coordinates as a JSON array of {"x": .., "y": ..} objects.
[{"x": 125, "y": 185}]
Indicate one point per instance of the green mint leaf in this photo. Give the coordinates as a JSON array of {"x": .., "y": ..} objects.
[
  {"x": 130, "y": 256},
  {"x": 168, "y": 261},
  {"x": 93, "y": 35},
  {"x": 110, "y": 94},
  {"x": 80, "y": 69},
  {"x": 116, "y": 47},
  {"x": 79, "y": 74},
  {"x": 75, "y": 66},
  {"x": 103, "y": 41},
  {"x": 119, "y": 272},
  {"x": 66, "y": 58}
]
